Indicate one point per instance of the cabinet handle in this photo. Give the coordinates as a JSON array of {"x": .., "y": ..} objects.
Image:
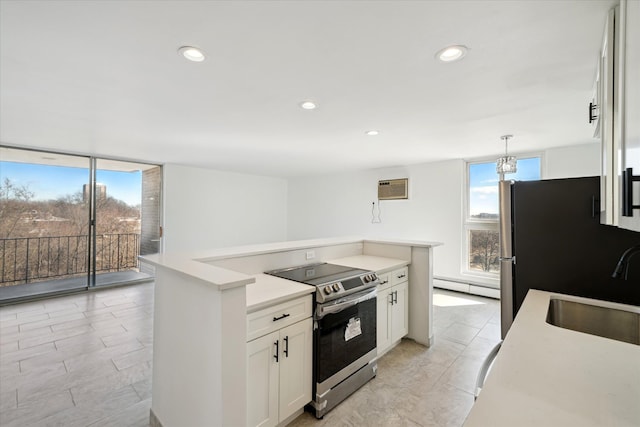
[
  {"x": 628, "y": 178},
  {"x": 395, "y": 297},
  {"x": 384, "y": 283},
  {"x": 592, "y": 108},
  {"x": 275, "y": 356},
  {"x": 401, "y": 276},
  {"x": 286, "y": 346},
  {"x": 275, "y": 319},
  {"x": 390, "y": 298}
]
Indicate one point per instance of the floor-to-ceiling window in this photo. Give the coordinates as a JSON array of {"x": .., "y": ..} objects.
[
  {"x": 481, "y": 257},
  {"x": 69, "y": 222}
]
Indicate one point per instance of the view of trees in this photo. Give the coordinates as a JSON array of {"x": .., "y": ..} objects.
[
  {"x": 484, "y": 251},
  {"x": 40, "y": 239}
]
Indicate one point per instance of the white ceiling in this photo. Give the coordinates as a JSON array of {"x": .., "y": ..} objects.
[{"x": 104, "y": 78}]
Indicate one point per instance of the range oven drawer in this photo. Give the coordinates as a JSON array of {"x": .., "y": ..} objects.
[{"x": 267, "y": 320}]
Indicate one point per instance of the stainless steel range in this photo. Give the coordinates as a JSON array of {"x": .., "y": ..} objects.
[{"x": 344, "y": 329}]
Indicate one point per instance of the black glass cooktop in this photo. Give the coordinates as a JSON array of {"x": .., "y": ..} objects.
[{"x": 318, "y": 274}]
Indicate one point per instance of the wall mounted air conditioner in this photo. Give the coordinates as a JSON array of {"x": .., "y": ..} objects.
[{"x": 393, "y": 189}]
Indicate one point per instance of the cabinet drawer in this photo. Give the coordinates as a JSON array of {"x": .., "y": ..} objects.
[
  {"x": 278, "y": 316},
  {"x": 385, "y": 281},
  {"x": 400, "y": 275}
]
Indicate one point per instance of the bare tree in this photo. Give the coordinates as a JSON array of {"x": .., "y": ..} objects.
[
  {"x": 484, "y": 249},
  {"x": 14, "y": 204}
]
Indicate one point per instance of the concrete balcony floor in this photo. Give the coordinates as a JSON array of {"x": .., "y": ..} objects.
[{"x": 30, "y": 291}]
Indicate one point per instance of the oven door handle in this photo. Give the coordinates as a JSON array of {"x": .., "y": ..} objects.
[{"x": 324, "y": 309}]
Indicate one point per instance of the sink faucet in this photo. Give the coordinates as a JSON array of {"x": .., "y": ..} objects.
[{"x": 623, "y": 264}]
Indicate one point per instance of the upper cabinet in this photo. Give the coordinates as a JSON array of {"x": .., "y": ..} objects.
[
  {"x": 617, "y": 96},
  {"x": 629, "y": 173}
]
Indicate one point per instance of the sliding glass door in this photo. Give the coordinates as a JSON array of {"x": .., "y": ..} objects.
[
  {"x": 44, "y": 218},
  {"x": 70, "y": 222},
  {"x": 127, "y": 218}
]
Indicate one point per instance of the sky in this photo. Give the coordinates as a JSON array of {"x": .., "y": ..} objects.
[
  {"x": 483, "y": 183},
  {"x": 52, "y": 182}
]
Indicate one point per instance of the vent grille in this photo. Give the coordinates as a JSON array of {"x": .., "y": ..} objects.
[{"x": 393, "y": 189}]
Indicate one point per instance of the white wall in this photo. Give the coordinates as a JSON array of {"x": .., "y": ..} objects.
[
  {"x": 336, "y": 205},
  {"x": 573, "y": 161},
  {"x": 205, "y": 209}
]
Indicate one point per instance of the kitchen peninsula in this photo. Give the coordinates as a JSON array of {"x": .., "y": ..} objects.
[
  {"x": 201, "y": 306},
  {"x": 545, "y": 375}
]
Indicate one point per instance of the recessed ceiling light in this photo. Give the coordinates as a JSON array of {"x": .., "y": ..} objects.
[
  {"x": 451, "y": 53},
  {"x": 372, "y": 132},
  {"x": 191, "y": 53},
  {"x": 308, "y": 105}
]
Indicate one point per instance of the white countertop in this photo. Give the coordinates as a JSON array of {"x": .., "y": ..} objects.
[
  {"x": 369, "y": 262},
  {"x": 549, "y": 376},
  {"x": 264, "y": 248},
  {"x": 216, "y": 276},
  {"x": 198, "y": 264},
  {"x": 269, "y": 290}
]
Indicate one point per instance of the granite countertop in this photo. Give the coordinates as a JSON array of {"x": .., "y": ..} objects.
[{"x": 549, "y": 376}]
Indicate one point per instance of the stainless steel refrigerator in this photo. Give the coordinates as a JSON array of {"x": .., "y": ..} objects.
[{"x": 551, "y": 239}]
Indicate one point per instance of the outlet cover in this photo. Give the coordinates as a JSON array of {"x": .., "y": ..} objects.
[{"x": 311, "y": 254}]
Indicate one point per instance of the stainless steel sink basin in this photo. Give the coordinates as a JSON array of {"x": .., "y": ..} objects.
[{"x": 591, "y": 319}]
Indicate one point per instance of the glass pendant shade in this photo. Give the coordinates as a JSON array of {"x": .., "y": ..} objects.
[{"x": 506, "y": 163}]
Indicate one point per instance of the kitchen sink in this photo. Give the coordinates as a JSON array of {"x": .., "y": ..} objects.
[{"x": 604, "y": 322}]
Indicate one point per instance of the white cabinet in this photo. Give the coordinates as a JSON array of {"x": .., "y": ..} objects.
[
  {"x": 392, "y": 308},
  {"x": 618, "y": 96},
  {"x": 279, "y": 364},
  {"x": 629, "y": 120},
  {"x": 605, "y": 120}
]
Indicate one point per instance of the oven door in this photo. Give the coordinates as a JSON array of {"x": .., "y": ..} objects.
[{"x": 345, "y": 338}]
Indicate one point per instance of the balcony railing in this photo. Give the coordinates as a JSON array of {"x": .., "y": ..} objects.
[{"x": 31, "y": 259}]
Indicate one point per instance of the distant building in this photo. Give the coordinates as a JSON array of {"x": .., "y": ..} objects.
[{"x": 101, "y": 192}]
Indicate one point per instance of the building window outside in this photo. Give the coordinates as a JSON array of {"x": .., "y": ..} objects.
[{"x": 481, "y": 219}]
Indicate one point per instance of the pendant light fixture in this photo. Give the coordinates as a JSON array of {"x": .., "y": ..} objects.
[{"x": 506, "y": 164}]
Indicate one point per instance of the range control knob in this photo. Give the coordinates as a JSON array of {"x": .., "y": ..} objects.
[
  {"x": 369, "y": 278},
  {"x": 327, "y": 290},
  {"x": 336, "y": 287}
]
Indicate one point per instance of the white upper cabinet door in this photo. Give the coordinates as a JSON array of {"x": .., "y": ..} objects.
[
  {"x": 608, "y": 214},
  {"x": 630, "y": 117}
]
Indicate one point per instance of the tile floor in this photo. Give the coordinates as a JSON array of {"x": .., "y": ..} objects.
[
  {"x": 419, "y": 386},
  {"x": 78, "y": 360},
  {"x": 85, "y": 360}
]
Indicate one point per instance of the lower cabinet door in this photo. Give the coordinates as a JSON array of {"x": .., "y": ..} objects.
[
  {"x": 296, "y": 359},
  {"x": 399, "y": 312},
  {"x": 383, "y": 324},
  {"x": 262, "y": 380}
]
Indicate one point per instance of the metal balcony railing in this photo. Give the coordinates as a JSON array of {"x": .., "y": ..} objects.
[{"x": 30, "y": 259}]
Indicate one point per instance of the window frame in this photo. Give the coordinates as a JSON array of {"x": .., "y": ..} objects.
[{"x": 483, "y": 224}]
